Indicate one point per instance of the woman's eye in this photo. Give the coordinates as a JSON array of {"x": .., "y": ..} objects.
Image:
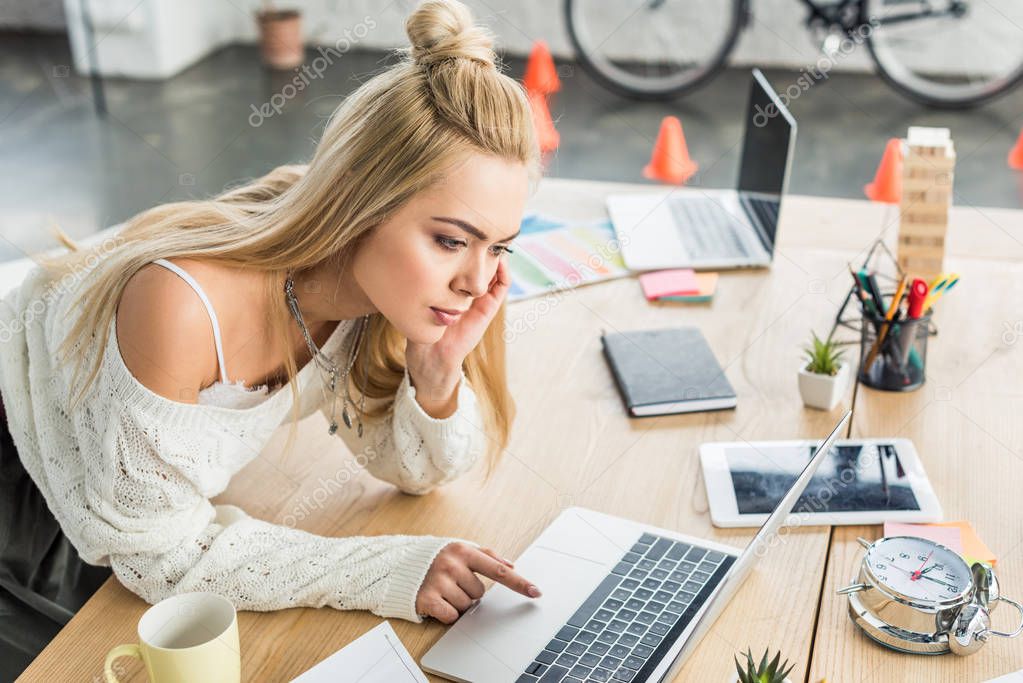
[
  {"x": 499, "y": 250},
  {"x": 449, "y": 243}
]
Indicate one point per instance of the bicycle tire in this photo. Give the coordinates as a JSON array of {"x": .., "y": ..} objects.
[
  {"x": 889, "y": 74},
  {"x": 652, "y": 93}
]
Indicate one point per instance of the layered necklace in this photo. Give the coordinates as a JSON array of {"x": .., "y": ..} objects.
[{"x": 330, "y": 374}]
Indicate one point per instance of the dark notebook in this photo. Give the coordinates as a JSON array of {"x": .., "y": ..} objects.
[{"x": 663, "y": 372}]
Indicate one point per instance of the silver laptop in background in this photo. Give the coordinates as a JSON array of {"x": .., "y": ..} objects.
[
  {"x": 622, "y": 601},
  {"x": 716, "y": 229}
]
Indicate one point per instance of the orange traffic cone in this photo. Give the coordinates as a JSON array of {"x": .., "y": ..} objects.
[
  {"x": 546, "y": 133},
  {"x": 541, "y": 74},
  {"x": 887, "y": 185},
  {"x": 670, "y": 162},
  {"x": 1016, "y": 154}
]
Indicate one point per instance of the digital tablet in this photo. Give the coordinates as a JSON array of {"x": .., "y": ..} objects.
[{"x": 862, "y": 481}]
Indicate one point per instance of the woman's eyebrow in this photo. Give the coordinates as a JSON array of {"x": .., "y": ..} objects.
[{"x": 471, "y": 229}]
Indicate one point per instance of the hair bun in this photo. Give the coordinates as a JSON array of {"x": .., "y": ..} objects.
[{"x": 439, "y": 30}]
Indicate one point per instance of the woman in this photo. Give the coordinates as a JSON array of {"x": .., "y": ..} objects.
[{"x": 368, "y": 285}]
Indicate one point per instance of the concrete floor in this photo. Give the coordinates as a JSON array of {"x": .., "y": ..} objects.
[{"x": 192, "y": 135}]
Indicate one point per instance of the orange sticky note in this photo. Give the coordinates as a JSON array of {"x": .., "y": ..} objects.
[{"x": 974, "y": 549}]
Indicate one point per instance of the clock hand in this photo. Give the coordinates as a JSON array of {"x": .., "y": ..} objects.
[
  {"x": 915, "y": 576},
  {"x": 924, "y": 576},
  {"x": 931, "y": 578}
]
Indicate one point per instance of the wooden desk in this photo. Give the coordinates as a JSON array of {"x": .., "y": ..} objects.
[{"x": 573, "y": 445}]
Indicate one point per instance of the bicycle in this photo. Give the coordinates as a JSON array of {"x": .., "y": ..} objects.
[{"x": 942, "y": 53}]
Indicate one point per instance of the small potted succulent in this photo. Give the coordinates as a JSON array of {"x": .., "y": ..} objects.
[
  {"x": 765, "y": 672},
  {"x": 824, "y": 376},
  {"x": 280, "y": 36}
]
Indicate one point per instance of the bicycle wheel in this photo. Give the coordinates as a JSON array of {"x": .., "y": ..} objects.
[
  {"x": 947, "y": 53},
  {"x": 653, "y": 49}
]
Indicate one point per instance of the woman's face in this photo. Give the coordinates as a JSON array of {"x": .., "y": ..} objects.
[{"x": 439, "y": 252}]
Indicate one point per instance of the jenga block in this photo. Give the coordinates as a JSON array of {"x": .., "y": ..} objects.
[
  {"x": 922, "y": 241},
  {"x": 932, "y": 159},
  {"x": 922, "y": 236},
  {"x": 924, "y": 216},
  {"x": 924, "y": 228},
  {"x": 922, "y": 251},
  {"x": 928, "y": 184},
  {"x": 924, "y": 268}
]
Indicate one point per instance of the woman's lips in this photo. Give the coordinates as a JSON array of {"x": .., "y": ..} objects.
[{"x": 446, "y": 316}]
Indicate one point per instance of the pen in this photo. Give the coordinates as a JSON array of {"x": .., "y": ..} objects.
[
  {"x": 860, "y": 294},
  {"x": 870, "y": 307},
  {"x": 893, "y": 306},
  {"x": 875, "y": 292},
  {"x": 917, "y": 296}
]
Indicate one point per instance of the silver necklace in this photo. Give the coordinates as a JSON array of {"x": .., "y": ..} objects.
[{"x": 335, "y": 374}]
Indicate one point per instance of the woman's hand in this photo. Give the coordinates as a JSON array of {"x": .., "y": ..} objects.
[
  {"x": 451, "y": 585},
  {"x": 435, "y": 369}
]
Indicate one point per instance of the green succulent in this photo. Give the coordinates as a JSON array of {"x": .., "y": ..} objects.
[
  {"x": 764, "y": 672},
  {"x": 823, "y": 357}
]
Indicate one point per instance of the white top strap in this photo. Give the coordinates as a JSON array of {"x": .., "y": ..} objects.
[{"x": 209, "y": 309}]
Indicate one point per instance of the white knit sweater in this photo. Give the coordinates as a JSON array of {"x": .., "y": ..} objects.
[{"x": 129, "y": 474}]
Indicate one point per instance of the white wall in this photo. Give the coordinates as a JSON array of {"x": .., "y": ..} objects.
[
  {"x": 157, "y": 38},
  {"x": 152, "y": 38}
]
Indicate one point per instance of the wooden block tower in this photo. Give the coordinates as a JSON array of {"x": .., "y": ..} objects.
[{"x": 927, "y": 170}]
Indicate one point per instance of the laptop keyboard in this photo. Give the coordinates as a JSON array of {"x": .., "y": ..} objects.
[
  {"x": 625, "y": 627},
  {"x": 766, "y": 210},
  {"x": 707, "y": 230}
]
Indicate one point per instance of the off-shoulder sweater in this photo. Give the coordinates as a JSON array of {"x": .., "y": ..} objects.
[{"x": 129, "y": 474}]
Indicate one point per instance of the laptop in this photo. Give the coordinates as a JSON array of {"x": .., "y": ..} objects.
[
  {"x": 621, "y": 601},
  {"x": 716, "y": 229}
]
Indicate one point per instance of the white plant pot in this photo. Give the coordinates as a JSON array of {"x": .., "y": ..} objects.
[
  {"x": 735, "y": 679},
  {"x": 823, "y": 391}
]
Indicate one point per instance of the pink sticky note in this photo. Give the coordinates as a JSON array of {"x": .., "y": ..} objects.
[
  {"x": 669, "y": 282},
  {"x": 946, "y": 536}
]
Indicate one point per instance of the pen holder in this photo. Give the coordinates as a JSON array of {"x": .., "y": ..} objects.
[{"x": 900, "y": 362}]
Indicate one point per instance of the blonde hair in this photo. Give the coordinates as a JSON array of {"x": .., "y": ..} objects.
[{"x": 396, "y": 135}]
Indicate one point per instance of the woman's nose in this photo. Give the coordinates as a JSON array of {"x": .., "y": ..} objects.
[{"x": 475, "y": 280}]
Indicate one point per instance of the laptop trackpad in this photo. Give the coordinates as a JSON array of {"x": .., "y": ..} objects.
[{"x": 501, "y": 636}]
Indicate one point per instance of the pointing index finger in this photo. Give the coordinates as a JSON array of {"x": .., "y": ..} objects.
[{"x": 481, "y": 563}]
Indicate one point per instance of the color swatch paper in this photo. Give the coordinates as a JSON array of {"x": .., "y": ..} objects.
[{"x": 553, "y": 255}]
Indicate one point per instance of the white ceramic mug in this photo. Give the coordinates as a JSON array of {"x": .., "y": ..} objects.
[{"x": 185, "y": 638}]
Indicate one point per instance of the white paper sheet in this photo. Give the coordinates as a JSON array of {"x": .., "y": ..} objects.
[
  {"x": 1008, "y": 678},
  {"x": 377, "y": 656}
]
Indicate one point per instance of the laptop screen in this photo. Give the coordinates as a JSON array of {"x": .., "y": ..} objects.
[{"x": 766, "y": 152}]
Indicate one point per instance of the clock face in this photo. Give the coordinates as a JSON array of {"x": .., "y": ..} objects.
[{"x": 919, "y": 569}]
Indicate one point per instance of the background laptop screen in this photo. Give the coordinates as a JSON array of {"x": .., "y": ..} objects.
[{"x": 765, "y": 153}]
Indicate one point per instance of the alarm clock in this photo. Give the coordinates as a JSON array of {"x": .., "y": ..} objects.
[{"x": 915, "y": 595}]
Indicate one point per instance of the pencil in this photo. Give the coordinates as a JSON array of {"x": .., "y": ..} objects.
[{"x": 893, "y": 306}]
